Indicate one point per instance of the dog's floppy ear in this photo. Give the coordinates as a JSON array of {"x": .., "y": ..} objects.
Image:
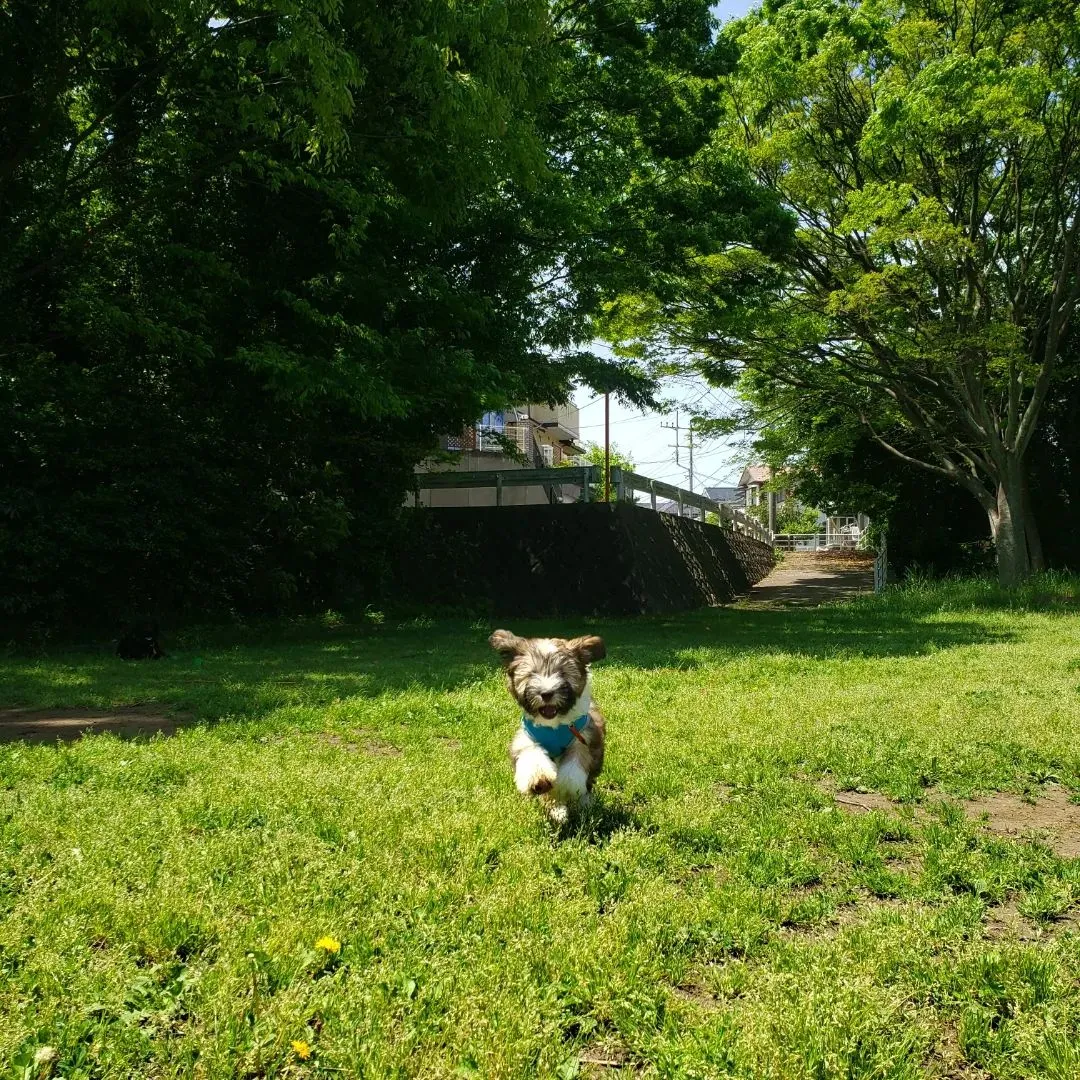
[
  {"x": 507, "y": 645},
  {"x": 589, "y": 648}
]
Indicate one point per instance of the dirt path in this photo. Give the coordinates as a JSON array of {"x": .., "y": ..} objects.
[
  {"x": 805, "y": 579},
  {"x": 50, "y": 725}
]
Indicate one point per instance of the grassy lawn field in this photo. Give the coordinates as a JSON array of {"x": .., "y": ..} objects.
[{"x": 717, "y": 913}]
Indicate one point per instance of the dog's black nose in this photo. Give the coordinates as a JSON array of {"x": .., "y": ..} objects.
[{"x": 547, "y": 696}]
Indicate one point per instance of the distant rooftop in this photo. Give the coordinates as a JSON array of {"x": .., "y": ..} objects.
[
  {"x": 755, "y": 474},
  {"x": 728, "y": 494}
]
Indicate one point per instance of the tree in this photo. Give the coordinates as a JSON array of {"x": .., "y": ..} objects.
[
  {"x": 256, "y": 255},
  {"x": 794, "y": 518},
  {"x": 929, "y": 157},
  {"x": 594, "y": 455}
]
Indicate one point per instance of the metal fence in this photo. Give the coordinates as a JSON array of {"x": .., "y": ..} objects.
[
  {"x": 815, "y": 541},
  {"x": 581, "y": 477},
  {"x": 624, "y": 484}
]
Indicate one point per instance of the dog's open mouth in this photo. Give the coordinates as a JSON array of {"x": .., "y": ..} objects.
[{"x": 548, "y": 712}]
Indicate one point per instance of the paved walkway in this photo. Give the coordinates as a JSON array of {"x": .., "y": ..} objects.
[{"x": 809, "y": 578}]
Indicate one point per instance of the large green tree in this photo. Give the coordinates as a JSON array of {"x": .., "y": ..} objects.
[
  {"x": 928, "y": 156},
  {"x": 255, "y": 255}
]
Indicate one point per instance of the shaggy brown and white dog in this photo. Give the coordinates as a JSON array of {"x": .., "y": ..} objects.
[{"x": 558, "y": 750}]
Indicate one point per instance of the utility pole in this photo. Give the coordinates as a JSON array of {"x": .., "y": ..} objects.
[
  {"x": 676, "y": 427},
  {"x": 607, "y": 448},
  {"x": 690, "y": 438}
]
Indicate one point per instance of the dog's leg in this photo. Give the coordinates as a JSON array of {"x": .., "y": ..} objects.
[
  {"x": 572, "y": 782},
  {"x": 534, "y": 771}
]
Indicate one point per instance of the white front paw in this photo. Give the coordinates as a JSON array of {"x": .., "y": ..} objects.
[
  {"x": 558, "y": 813},
  {"x": 535, "y": 774}
]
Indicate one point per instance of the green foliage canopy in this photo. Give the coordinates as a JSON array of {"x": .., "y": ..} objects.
[
  {"x": 928, "y": 160},
  {"x": 256, "y": 255}
]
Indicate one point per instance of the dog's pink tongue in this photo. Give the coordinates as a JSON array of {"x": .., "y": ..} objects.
[{"x": 549, "y": 712}]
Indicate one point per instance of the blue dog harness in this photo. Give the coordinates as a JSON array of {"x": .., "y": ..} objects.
[{"x": 555, "y": 740}]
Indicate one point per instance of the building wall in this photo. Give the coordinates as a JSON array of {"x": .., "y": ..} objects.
[
  {"x": 565, "y": 416},
  {"x": 476, "y": 453}
]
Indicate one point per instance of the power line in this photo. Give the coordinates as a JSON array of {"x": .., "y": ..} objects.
[
  {"x": 658, "y": 461},
  {"x": 624, "y": 420}
]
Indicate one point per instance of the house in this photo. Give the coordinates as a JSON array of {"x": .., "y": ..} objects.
[
  {"x": 521, "y": 437},
  {"x": 731, "y": 495},
  {"x": 753, "y": 483},
  {"x": 833, "y": 530}
]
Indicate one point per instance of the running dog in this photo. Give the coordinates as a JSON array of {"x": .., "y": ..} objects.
[{"x": 558, "y": 751}]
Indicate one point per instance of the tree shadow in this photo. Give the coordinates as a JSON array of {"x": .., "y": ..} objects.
[
  {"x": 814, "y": 589},
  {"x": 818, "y": 632},
  {"x": 250, "y": 682}
]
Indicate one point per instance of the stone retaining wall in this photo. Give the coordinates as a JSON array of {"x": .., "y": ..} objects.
[{"x": 575, "y": 559}]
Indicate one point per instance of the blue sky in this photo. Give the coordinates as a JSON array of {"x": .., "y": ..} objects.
[
  {"x": 731, "y": 9},
  {"x": 649, "y": 444},
  {"x": 641, "y": 435}
]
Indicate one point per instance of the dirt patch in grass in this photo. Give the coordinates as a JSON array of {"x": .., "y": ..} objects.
[
  {"x": 696, "y": 994},
  {"x": 1005, "y": 921},
  {"x": 1051, "y": 817},
  {"x": 363, "y": 744},
  {"x": 864, "y": 802},
  {"x": 855, "y": 914},
  {"x": 946, "y": 1059},
  {"x": 66, "y": 725},
  {"x": 845, "y": 917},
  {"x": 604, "y": 1057}
]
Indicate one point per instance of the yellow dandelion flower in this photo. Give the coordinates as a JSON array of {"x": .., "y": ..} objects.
[
  {"x": 301, "y": 1049},
  {"x": 331, "y": 945}
]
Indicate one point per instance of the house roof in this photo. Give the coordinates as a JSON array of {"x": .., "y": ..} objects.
[
  {"x": 671, "y": 506},
  {"x": 755, "y": 474},
  {"x": 728, "y": 494}
]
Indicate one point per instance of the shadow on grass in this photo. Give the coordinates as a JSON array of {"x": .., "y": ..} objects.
[
  {"x": 843, "y": 630},
  {"x": 248, "y": 682},
  {"x": 602, "y": 820}
]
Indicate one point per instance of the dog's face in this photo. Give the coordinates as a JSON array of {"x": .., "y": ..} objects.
[{"x": 546, "y": 676}]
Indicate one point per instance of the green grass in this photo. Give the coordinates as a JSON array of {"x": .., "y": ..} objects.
[{"x": 715, "y": 914}]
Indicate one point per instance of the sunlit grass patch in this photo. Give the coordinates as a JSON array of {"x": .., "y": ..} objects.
[{"x": 329, "y": 873}]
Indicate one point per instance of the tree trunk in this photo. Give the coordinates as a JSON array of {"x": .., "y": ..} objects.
[
  {"x": 1031, "y": 526},
  {"x": 1009, "y": 528}
]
